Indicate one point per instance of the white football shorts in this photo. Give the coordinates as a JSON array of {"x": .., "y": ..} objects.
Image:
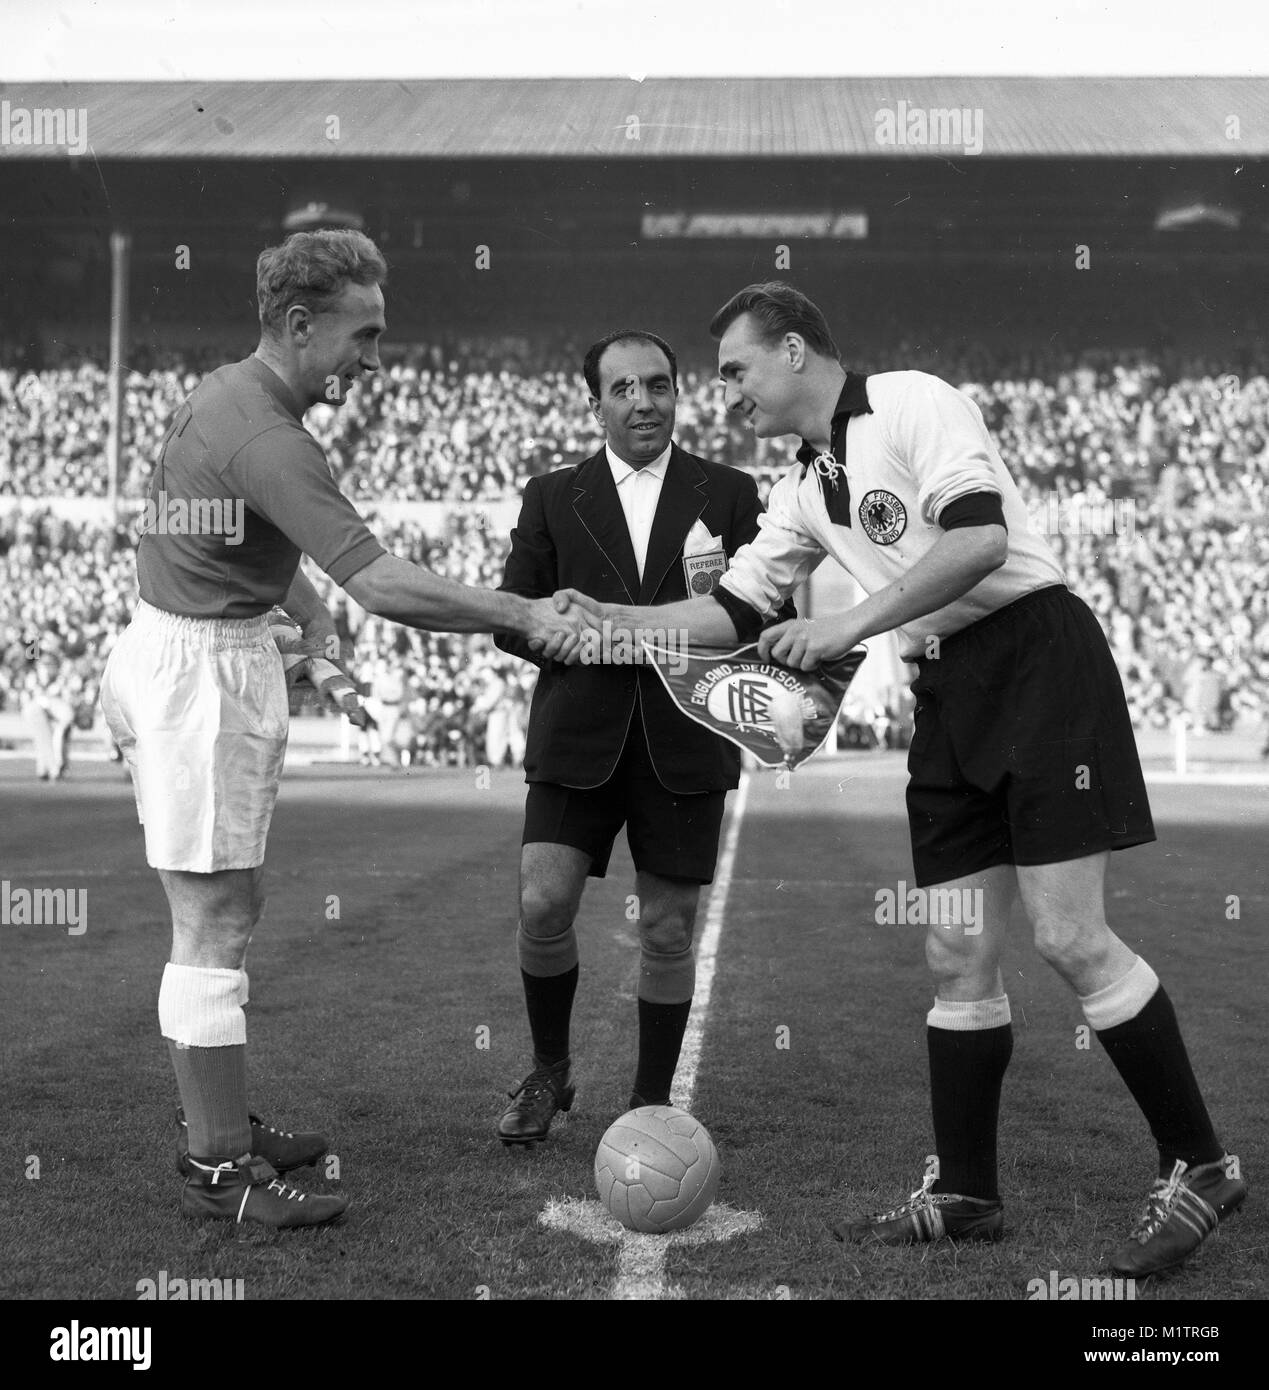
[{"x": 198, "y": 707}]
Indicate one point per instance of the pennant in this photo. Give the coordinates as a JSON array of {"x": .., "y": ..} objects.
[{"x": 780, "y": 715}]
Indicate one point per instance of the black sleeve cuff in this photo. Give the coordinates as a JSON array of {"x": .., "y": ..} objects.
[
  {"x": 974, "y": 509},
  {"x": 747, "y": 620}
]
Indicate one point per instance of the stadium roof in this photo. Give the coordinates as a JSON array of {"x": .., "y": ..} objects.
[{"x": 564, "y": 118}]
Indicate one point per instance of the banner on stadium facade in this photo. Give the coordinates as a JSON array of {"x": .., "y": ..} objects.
[
  {"x": 823, "y": 224},
  {"x": 780, "y": 715}
]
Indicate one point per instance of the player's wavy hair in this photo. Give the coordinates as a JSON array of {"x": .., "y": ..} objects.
[
  {"x": 777, "y": 309},
  {"x": 312, "y": 268},
  {"x": 590, "y": 364}
]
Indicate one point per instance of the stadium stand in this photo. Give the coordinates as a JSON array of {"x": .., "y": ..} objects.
[{"x": 1171, "y": 451}]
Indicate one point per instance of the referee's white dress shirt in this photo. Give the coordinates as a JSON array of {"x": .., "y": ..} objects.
[{"x": 639, "y": 491}]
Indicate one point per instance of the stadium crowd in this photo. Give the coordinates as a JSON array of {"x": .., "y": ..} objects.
[{"x": 1157, "y": 466}]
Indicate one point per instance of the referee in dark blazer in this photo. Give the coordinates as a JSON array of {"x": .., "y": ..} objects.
[{"x": 606, "y": 747}]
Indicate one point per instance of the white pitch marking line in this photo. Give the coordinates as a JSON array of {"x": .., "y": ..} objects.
[
  {"x": 641, "y": 1258},
  {"x": 593, "y": 1221},
  {"x": 640, "y": 1268},
  {"x": 643, "y": 1255},
  {"x": 706, "y": 956}
]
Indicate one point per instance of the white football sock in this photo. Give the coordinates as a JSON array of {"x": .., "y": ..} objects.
[
  {"x": 201, "y": 1006},
  {"x": 1125, "y": 999},
  {"x": 969, "y": 1015}
]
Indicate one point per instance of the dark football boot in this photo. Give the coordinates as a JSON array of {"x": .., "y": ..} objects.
[
  {"x": 282, "y": 1150},
  {"x": 533, "y": 1105},
  {"x": 927, "y": 1216},
  {"x": 1180, "y": 1213},
  {"x": 248, "y": 1189}
]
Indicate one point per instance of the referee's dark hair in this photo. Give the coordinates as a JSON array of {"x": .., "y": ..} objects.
[
  {"x": 778, "y": 309},
  {"x": 312, "y": 268},
  {"x": 590, "y": 364}
]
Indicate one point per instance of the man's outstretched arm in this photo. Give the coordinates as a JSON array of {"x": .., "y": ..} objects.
[
  {"x": 703, "y": 622},
  {"x": 956, "y": 562},
  {"x": 409, "y": 594}
]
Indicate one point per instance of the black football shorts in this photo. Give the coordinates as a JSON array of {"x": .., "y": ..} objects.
[
  {"x": 670, "y": 835},
  {"x": 1023, "y": 751}
]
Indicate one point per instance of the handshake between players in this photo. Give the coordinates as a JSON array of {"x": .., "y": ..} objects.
[{"x": 797, "y": 642}]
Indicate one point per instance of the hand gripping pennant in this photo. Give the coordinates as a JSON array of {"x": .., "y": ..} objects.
[{"x": 780, "y": 715}]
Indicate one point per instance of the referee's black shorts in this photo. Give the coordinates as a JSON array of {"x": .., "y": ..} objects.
[
  {"x": 1023, "y": 751},
  {"x": 670, "y": 834}
]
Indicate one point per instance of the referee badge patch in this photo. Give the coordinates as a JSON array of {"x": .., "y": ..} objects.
[
  {"x": 704, "y": 571},
  {"x": 704, "y": 560},
  {"x": 883, "y": 516}
]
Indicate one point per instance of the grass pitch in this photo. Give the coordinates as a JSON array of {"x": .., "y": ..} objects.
[{"x": 386, "y": 1010}]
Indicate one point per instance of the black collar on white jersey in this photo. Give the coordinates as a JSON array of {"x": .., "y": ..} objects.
[{"x": 852, "y": 401}]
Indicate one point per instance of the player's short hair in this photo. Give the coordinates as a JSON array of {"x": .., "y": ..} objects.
[
  {"x": 312, "y": 268},
  {"x": 590, "y": 364},
  {"x": 777, "y": 309}
]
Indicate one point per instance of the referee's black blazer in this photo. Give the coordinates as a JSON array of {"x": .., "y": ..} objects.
[{"x": 572, "y": 534}]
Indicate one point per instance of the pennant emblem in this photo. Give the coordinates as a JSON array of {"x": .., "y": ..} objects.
[{"x": 780, "y": 715}]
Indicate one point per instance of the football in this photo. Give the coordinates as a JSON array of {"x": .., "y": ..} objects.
[{"x": 657, "y": 1169}]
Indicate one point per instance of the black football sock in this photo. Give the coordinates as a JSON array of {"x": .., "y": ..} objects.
[
  {"x": 967, "y": 1068},
  {"x": 661, "y": 1029},
  {"x": 549, "y": 1000},
  {"x": 1149, "y": 1053}
]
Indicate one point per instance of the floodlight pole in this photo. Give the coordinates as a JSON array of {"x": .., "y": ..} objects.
[{"x": 120, "y": 260}]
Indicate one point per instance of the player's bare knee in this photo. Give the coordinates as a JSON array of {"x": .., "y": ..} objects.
[
  {"x": 236, "y": 949},
  {"x": 953, "y": 956},
  {"x": 543, "y": 912},
  {"x": 212, "y": 937},
  {"x": 216, "y": 908},
  {"x": 667, "y": 933},
  {"x": 231, "y": 925},
  {"x": 1070, "y": 945}
]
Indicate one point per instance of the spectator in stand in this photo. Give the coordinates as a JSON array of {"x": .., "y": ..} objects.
[
  {"x": 1204, "y": 695},
  {"x": 385, "y": 702},
  {"x": 50, "y": 715},
  {"x": 501, "y": 711}
]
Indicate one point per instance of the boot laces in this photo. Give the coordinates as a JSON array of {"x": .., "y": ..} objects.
[
  {"x": 533, "y": 1089},
  {"x": 281, "y": 1133},
  {"x": 1159, "y": 1203},
  {"x": 921, "y": 1199}
]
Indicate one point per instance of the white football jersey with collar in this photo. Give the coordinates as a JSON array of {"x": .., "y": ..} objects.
[{"x": 924, "y": 445}]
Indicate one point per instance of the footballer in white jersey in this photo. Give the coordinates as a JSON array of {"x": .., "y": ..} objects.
[{"x": 1024, "y": 773}]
